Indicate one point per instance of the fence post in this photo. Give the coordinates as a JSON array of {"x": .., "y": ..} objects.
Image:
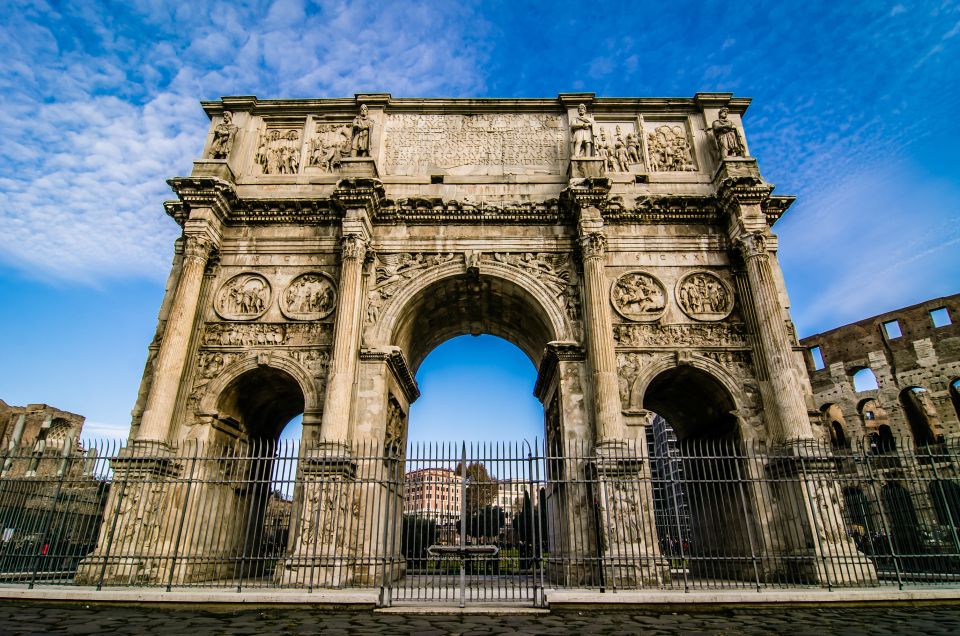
[{"x": 746, "y": 517}]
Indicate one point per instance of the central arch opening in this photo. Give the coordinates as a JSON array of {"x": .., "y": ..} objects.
[{"x": 474, "y": 344}]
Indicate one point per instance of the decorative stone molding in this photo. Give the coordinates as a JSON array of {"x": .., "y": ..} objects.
[
  {"x": 309, "y": 296},
  {"x": 203, "y": 192},
  {"x": 353, "y": 247},
  {"x": 397, "y": 362},
  {"x": 556, "y": 352},
  {"x": 593, "y": 245},
  {"x": 266, "y": 334},
  {"x": 244, "y": 297},
  {"x": 752, "y": 245},
  {"x": 703, "y": 295},
  {"x": 639, "y": 296},
  {"x": 364, "y": 193},
  {"x": 663, "y": 209}
]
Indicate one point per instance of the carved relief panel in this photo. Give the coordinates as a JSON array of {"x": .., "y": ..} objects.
[
  {"x": 639, "y": 296},
  {"x": 278, "y": 151},
  {"x": 618, "y": 144},
  {"x": 327, "y": 145},
  {"x": 669, "y": 146},
  {"x": 703, "y": 295},
  {"x": 310, "y": 296},
  {"x": 244, "y": 297},
  {"x": 396, "y": 429}
]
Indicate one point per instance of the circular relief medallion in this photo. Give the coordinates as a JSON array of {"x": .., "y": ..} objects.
[
  {"x": 638, "y": 296},
  {"x": 243, "y": 297},
  {"x": 704, "y": 296},
  {"x": 309, "y": 296}
]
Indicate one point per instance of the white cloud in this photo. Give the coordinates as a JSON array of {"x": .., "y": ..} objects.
[{"x": 102, "y": 107}]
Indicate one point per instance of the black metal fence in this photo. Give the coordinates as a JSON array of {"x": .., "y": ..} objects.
[{"x": 482, "y": 522}]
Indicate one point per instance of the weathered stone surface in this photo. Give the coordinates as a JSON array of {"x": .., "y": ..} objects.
[{"x": 329, "y": 245}]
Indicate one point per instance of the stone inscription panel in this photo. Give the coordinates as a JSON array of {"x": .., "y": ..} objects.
[{"x": 474, "y": 144}]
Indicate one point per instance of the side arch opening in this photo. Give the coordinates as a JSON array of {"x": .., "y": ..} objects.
[{"x": 705, "y": 514}]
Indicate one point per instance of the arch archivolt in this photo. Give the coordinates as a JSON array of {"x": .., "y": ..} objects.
[
  {"x": 212, "y": 391},
  {"x": 638, "y": 369},
  {"x": 385, "y": 312}
]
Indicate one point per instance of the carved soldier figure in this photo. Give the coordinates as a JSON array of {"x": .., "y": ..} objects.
[
  {"x": 633, "y": 147},
  {"x": 223, "y": 136},
  {"x": 620, "y": 152},
  {"x": 360, "y": 144},
  {"x": 582, "y": 127},
  {"x": 729, "y": 141}
]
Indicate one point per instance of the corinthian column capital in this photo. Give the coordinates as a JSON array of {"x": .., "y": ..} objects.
[
  {"x": 353, "y": 246},
  {"x": 198, "y": 247},
  {"x": 593, "y": 245},
  {"x": 752, "y": 245}
]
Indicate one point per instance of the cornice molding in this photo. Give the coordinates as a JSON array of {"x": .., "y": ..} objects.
[
  {"x": 202, "y": 192},
  {"x": 397, "y": 363}
]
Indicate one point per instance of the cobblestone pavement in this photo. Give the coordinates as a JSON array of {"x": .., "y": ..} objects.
[{"x": 44, "y": 618}]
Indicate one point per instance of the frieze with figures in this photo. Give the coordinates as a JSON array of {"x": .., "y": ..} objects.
[
  {"x": 639, "y": 296},
  {"x": 696, "y": 335},
  {"x": 243, "y": 297},
  {"x": 267, "y": 334},
  {"x": 309, "y": 296},
  {"x": 279, "y": 152},
  {"x": 618, "y": 146},
  {"x": 328, "y": 145},
  {"x": 703, "y": 295},
  {"x": 669, "y": 148}
]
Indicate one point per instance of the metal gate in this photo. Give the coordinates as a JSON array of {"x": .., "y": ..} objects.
[{"x": 471, "y": 528}]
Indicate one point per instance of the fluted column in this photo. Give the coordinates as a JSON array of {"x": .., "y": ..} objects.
[
  {"x": 335, "y": 425},
  {"x": 601, "y": 354},
  {"x": 785, "y": 394},
  {"x": 172, "y": 357}
]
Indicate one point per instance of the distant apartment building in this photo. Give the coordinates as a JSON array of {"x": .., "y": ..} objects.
[
  {"x": 510, "y": 495},
  {"x": 433, "y": 493}
]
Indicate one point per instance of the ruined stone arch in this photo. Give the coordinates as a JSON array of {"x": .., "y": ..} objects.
[
  {"x": 921, "y": 415},
  {"x": 398, "y": 323},
  {"x": 838, "y": 433},
  {"x": 215, "y": 389}
]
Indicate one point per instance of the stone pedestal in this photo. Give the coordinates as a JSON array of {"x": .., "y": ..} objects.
[
  {"x": 133, "y": 545},
  {"x": 809, "y": 497},
  {"x": 358, "y": 167},
  {"x": 586, "y": 168},
  {"x": 324, "y": 523},
  {"x": 630, "y": 551}
]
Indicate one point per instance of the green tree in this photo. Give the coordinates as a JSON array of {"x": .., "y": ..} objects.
[{"x": 482, "y": 489}]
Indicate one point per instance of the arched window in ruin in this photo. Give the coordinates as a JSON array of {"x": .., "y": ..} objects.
[
  {"x": 876, "y": 426},
  {"x": 902, "y": 520},
  {"x": 921, "y": 415},
  {"x": 832, "y": 418},
  {"x": 859, "y": 516},
  {"x": 260, "y": 405},
  {"x": 955, "y": 396},
  {"x": 864, "y": 380}
]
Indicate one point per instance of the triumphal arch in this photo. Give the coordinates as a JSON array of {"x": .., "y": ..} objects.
[{"x": 329, "y": 245}]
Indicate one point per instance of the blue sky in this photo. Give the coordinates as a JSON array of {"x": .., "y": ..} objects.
[{"x": 854, "y": 111}]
